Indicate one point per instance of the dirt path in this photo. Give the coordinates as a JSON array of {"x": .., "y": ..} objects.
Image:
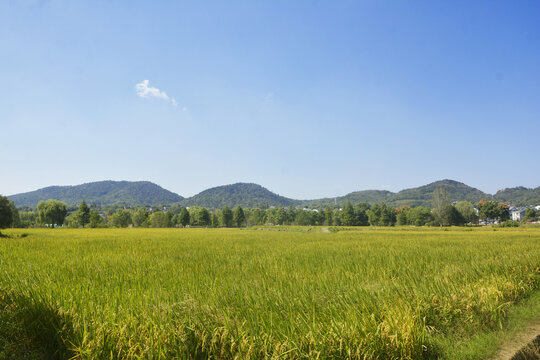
[
  {"x": 518, "y": 342},
  {"x": 325, "y": 230}
]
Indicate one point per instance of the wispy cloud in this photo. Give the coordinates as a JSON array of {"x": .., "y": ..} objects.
[{"x": 145, "y": 91}]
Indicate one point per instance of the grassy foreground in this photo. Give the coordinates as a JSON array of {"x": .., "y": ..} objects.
[{"x": 224, "y": 293}]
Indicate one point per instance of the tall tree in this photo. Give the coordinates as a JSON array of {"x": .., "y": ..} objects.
[
  {"x": 492, "y": 210},
  {"x": 280, "y": 216},
  {"x": 348, "y": 216},
  {"x": 361, "y": 214},
  {"x": 259, "y": 216},
  {"x": 6, "y": 216},
  {"x": 122, "y": 218},
  {"x": 204, "y": 217},
  {"x": 215, "y": 219},
  {"x": 159, "y": 219},
  {"x": 15, "y": 217},
  {"x": 226, "y": 217},
  {"x": 239, "y": 217},
  {"x": 83, "y": 214},
  {"x": 328, "y": 218},
  {"x": 95, "y": 219},
  {"x": 441, "y": 206},
  {"x": 52, "y": 212},
  {"x": 183, "y": 217},
  {"x": 466, "y": 209},
  {"x": 140, "y": 217}
]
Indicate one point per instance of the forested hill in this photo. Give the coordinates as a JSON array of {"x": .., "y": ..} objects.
[
  {"x": 519, "y": 196},
  {"x": 101, "y": 193},
  {"x": 239, "y": 194},
  {"x": 252, "y": 195},
  {"x": 419, "y": 196}
]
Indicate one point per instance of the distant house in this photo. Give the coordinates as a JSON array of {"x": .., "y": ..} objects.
[{"x": 518, "y": 214}]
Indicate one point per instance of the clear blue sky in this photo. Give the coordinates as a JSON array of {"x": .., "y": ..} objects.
[{"x": 307, "y": 98}]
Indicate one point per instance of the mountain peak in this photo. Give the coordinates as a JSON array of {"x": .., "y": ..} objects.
[{"x": 107, "y": 192}]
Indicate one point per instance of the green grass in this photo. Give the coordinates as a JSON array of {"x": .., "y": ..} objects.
[{"x": 225, "y": 293}]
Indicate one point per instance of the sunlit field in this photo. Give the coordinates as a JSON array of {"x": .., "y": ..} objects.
[{"x": 256, "y": 294}]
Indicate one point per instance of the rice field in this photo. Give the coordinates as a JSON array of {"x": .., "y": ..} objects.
[{"x": 368, "y": 293}]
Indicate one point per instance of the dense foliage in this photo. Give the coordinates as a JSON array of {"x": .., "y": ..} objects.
[
  {"x": 101, "y": 193},
  {"x": 519, "y": 196},
  {"x": 107, "y": 193},
  {"x": 240, "y": 194}
]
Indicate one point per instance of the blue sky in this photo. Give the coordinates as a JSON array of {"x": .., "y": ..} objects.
[{"x": 307, "y": 98}]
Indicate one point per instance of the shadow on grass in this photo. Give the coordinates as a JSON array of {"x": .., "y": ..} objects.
[
  {"x": 31, "y": 328},
  {"x": 529, "y": 352}
]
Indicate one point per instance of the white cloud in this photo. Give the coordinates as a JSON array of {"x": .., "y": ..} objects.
[{"x": 145, "y": 91}]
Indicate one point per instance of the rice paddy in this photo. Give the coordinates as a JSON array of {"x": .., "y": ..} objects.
[{"x": 366, "y": 293}]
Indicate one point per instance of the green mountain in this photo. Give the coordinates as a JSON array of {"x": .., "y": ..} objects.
[
  {"x": 252, "y": 195},
  {"x": 419, "y": 196},
  {"x": 519, "y": 196},
  {"x": 101, "y": 193},
  {"x": 239, "y": 194},
  {"x": 365, "y": 196}
]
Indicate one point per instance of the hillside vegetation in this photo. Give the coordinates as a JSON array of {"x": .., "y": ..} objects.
[
  {"x": 101, "y": 193},
  {"x": 250, "y": 195},
  {"x": 239, "y": 194},
  {"x": 419, "y": 196},
  {"x": 519, "y": 196}
]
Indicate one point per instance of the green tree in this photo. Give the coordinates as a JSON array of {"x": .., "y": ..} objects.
[
  {"x": 52, "y": 212},
  {"x": 493, "y": 210},
  {"x": 420, "y": 216},
  {"x": 503, "y": 212},
  {"x": 382, "y": 215},
  {"x": 239, "y": 217},
  {"x": 530, "y": 215},
  {"x": 403, "y": 215},
  {"x": 15, "y": 217},
  {"x": 140, "y": 217},
  {"x": 95, "y": 220},
  {"x": 183, "y": 217},
  {"x": 259, "y": 216},
  {"x": 28, "y": 218},
  {"x": 204, "y": 217},
  {"x": 215, "y": 219},
  {"x": 226, "y": 217},
  {"x": 328, "y": 216},
  {"x": 337, "y": 217},
  {"x": 122, "y": 218},
  {"x": 159, "y": 219},
  {"x": 6, "y": 215},
  {"x": 83, "y": 214},
  {"x": 280, "y": 216},
  {"x": 466, "y": 209},
  {"x": 348, "y": 216},
  {"x": 361, "y": 214},
  {"x": 441, "y": 206},
  {"x": 455, "y": 217}
]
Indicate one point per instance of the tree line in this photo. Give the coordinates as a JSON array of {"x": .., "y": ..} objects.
[{"x": 53, "y": 213}]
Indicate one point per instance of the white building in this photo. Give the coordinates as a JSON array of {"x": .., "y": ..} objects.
[{"x": 518, "y": 214}]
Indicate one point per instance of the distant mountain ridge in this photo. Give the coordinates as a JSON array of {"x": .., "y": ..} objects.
[
  {"x": 252, "y": 195},
  {"x": 519, "y": 196},
  {"x": 101, "y": 193}
]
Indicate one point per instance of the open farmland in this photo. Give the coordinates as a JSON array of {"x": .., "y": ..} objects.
[{"x": 228, "y": 293}]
